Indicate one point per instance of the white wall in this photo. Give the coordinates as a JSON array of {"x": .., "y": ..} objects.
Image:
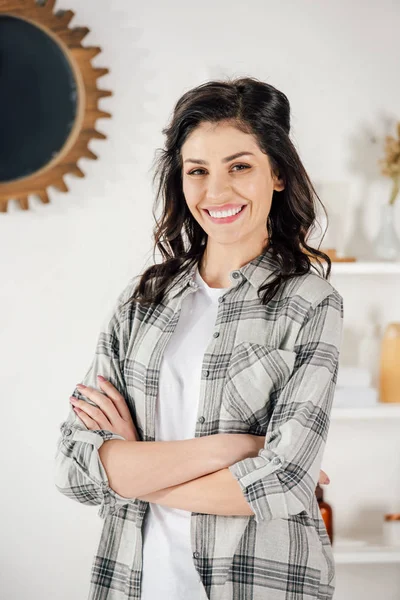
[{"x": 64, "y": 263}]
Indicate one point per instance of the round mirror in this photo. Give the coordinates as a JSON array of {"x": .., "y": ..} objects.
[
  {"x": 33, "y": 67},
  {"x": 48, "y": 101}
]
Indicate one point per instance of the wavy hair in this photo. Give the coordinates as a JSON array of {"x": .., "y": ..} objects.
[{"x": 256, "y": 108}]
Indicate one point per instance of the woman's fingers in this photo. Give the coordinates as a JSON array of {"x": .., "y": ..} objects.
[
  {"x": 107, "y": 410},
  {"x": 90, "y": 423},
  {"x": 117, "y": 398},
  {"x": 323, "y": 478},
  {"x": 93, "y": 413},
  {"x": 102, "y": 402}
]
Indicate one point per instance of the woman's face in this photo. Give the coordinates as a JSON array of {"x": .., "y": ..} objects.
[{"x": 213, "y": 180}]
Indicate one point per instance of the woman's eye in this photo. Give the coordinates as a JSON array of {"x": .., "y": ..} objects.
[
  {"x": 245, "y": 166},
  {"x": 196, "y": 170}
]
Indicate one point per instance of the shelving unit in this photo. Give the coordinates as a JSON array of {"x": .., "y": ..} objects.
[
  {"x": 369, "y": 554},
  {"x": 365, "y": 552},
  {"x": 382, "y": 411},
  {"x": 365, "y": 268}
]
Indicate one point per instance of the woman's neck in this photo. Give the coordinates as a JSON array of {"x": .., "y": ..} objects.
[{"x": 216, "y": 268}]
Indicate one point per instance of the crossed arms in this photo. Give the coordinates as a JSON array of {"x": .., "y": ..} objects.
[{"x": 189, "y": 474}]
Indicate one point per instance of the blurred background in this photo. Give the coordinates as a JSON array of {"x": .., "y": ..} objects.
[{"x": 66, "y": 260}]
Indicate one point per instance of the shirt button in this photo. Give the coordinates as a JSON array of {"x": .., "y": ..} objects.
[
  {"x": 277, "y": 461},
  {"x": 221, "y": 299},
  {"x": 193, "y": 284},
  {"x": 206, "y": 373},
  {"x": 196, "y": 554},
  {"x": 235, "y": 274},
  {"x": 67, "y": 432},
  {"x": 201, "y": 419},
  {"x": 216, "y": 334}
]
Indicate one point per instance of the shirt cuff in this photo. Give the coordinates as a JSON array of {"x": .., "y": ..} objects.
[
  {"x": 260, "y": 484},
  {"x": 111, "y": 501}
]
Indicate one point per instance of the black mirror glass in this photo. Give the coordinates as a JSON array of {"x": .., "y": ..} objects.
[{"x": 38, "y": 98}]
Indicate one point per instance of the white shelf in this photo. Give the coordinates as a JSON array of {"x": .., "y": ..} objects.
[
  {"x": 365, "y": 268},
  {"x": 366, "y": 554},
  {"x": 382, "y": 411}
]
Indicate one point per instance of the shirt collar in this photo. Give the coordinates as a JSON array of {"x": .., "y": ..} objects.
[{"x": 256, "y": 271}]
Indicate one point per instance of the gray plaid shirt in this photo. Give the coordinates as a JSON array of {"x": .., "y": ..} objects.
[{"x": 272, "y": 371}]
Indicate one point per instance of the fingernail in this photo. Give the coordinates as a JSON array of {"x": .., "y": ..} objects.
[
  {"x": 101, "y": 378},
  {"x": 80, "y": 385}
]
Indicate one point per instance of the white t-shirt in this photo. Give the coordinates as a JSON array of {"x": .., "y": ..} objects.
[{"x": 168, "y": 567}]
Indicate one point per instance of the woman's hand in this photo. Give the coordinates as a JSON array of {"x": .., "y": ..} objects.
[
  {"x": 323, "y": 478},
  {"x": 111, "y": 412}
]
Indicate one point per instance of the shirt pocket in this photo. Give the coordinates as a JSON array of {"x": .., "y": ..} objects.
[{"x": 255, "y": 375}]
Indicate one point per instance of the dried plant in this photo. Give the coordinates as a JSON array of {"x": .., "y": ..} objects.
[{"x": 390, "y": 165}]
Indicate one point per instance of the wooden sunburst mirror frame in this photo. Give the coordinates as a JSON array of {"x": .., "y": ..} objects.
[{"x": 56, "y": 25}]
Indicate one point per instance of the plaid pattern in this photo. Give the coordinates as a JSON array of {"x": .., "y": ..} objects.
[{"x": 271, "y": 371}]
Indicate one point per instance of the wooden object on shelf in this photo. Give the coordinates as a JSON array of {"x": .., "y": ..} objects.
[
  {"x": 50, "y": 97},
  {"x": 389, "y": 376},
  {"x": 331, "y": 252}
]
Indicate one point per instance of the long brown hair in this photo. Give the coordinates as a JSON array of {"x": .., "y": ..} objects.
[{"x": 254, "y": 107}]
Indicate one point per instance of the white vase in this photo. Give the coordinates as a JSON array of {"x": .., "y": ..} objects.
[{"x": 387, "y": 246}]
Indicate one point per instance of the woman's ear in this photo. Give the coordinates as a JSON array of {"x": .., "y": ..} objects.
[{"x": 279, "y": 184}]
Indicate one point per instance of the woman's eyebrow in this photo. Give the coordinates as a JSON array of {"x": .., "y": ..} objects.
[{"x": 224, "y": 160}]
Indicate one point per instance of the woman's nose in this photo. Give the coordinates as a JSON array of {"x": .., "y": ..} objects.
[{"x": 217, "y": 188}]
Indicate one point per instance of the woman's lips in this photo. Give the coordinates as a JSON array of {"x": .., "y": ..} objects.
[{"x": 223, "y": 220}]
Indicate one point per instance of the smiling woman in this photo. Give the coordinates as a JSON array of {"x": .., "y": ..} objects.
[
  {"x": 228, "y": 193},
  {"x": 226, "y": 356},
  {"x": 233, "y": 150}
]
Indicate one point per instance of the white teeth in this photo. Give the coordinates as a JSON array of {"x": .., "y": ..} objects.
[{"x": 225, "y": 213}]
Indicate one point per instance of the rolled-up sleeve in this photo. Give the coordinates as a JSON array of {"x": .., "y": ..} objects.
[
  {"x": 281, "y": 480},
  {"x": 78, "y": 471}
]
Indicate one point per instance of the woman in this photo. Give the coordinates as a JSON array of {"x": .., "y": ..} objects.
[{"x": 222, "y": 362}]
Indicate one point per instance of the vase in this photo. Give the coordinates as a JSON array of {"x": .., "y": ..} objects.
[
  {"x": 389, "y": 377},
  {"x": 387, "y": 240}
]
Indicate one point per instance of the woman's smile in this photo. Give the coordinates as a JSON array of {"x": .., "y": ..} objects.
[{"x": 228, "y": 219}]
